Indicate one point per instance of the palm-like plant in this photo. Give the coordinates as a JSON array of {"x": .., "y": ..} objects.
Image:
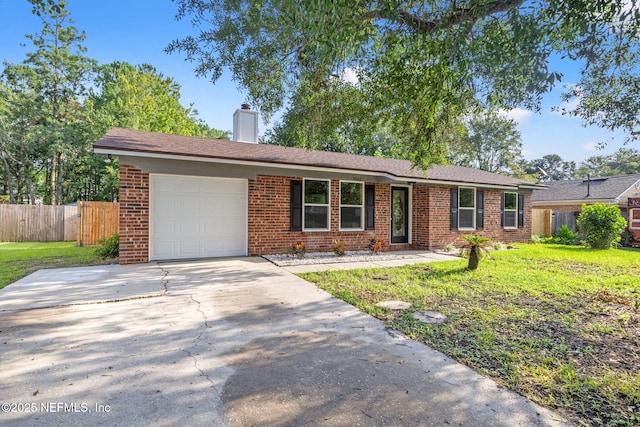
[{"x": 475, "y": 246}]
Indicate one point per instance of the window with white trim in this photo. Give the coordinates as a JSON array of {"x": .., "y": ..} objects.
[
  {"x": 351, "y": 205},
  {"x": 510, "y": 210},
  {"x": 466, "y": 208},
  {"x": 316, "y": 205}
]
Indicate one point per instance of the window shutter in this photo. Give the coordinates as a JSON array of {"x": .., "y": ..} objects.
[
  {"x": 295, "y": 219},
  {"x": 479, "y": 210},
  {"x": 454, "y": 209},
  {"x": 370, "y": 207},
  {"x": 520, "y": 210},
  {"x": 502, "y": 210}
]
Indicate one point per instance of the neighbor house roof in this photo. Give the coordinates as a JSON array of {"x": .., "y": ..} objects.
[
  {"x": 584, "y": 190},
  {"x": 130, "y": 142}
]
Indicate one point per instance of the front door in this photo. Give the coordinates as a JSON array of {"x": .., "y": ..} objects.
[{"x": 399, "y": 215}]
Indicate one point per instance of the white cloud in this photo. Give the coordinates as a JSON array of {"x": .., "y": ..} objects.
[
  {"x": 591, "y": 146},
  {"x": 518, "y": 115},
  {"x": 349, "y": 75}
]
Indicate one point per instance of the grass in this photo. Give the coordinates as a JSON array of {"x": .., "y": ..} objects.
[
  {"x": 21, "y": 259},
  {"x": 558, "y": 324}
]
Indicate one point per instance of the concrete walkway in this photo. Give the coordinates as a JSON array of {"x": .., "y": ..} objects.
[{"x": 229, "y": 342}]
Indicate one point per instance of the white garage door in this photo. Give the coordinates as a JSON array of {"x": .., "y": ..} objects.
[{"x": 197, "y": 217}]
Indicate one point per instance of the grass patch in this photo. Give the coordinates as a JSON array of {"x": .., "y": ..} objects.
[
  {"x": 21, "y": 259},
  {"x": 558, "y": 324}
]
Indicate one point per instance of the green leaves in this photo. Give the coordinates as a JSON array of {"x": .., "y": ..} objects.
[
  {"x": 601, "y": 225},
  {"x": 422, "y": 66}
]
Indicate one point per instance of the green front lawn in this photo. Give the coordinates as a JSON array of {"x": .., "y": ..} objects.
[
  {"x": 21, "y": 259},
  {"x": 558, "y": 324}
]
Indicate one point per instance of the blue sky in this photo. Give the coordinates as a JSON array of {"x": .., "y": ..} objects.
[{"x": 137, "y": 31}]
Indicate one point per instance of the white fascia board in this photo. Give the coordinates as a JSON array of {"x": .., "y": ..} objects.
[{"x": 387, "y": 176}]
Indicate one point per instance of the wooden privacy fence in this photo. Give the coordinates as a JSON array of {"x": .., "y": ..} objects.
[
  {"x": 541, "y": 222},
  {"x": 37, "y": 223},
  {"x": 85, "y": 224},
  {"x": 96, "y": 220}
]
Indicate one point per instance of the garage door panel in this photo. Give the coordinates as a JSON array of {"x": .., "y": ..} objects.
[
  {"x": 166, "y": 225},
  {"x": 189, "y": 228},
  {"x": 163, "y": 249},
  {"x": 197, "y": 217}
]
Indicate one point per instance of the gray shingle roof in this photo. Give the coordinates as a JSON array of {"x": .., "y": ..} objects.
[
  {"x": 136, "y": 141},
  {"x": 576, "y": 190}
]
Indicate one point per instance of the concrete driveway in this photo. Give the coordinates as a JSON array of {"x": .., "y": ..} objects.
[{"x": 230, "y": 342}]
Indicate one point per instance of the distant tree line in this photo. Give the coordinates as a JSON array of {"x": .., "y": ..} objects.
[{"x": 492, "y": 142}]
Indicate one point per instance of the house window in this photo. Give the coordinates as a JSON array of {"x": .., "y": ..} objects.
[
  {"x": 466, "y": 208},
  {"x": 351, "y": 205},
  {"x": 510, "y": 210},
  {"x": 316, "y": 205},
  {"x": 634, "y": 219}
]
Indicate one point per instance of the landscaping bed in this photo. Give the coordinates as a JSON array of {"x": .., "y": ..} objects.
[
  {"x": 558, "y": 324},
  {"x": 312, "y": 258}
]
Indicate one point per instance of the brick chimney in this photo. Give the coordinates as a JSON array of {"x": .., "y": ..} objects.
[{"x": 245, "y": 124}]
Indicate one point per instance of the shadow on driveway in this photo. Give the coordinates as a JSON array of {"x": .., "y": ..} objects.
[{"x": 231, "y": 342}]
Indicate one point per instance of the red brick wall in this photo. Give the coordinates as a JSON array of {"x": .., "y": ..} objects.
[
  {"x": 268, "y": 226},
  {"x": 440, "y": 233},
  {"x": 134, "y": 215},
  {"x": 269, "y": 211}
]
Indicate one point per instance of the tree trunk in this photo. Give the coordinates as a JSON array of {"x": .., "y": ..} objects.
[
  {"x": 32, "y": 194},
  {"x": 8, "y": 181},
  {"x": 474, "y": 258},
  {"x": 59, "y": 179},
  {"x": 52, "y": 179}
]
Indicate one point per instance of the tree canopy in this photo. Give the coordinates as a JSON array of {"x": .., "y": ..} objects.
[
  {"x": 490, "y": 142},
  {"x": 418, "y": 67},
  {"x": 49, "y": 118}
]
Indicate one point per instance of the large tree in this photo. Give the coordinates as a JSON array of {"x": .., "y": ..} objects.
[
  {"x": 133, "y": 97},
  {"x": 624, "y": 161},
  {"x": 46, "y": 92},
  {"x": 491, "y": 143},
  {"x": 419, "y": 66},
  {"x": 551, "y": 167},
  {"x": 141, "y": 97}
]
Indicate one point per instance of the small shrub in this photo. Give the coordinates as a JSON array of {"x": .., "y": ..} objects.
[
  {"x": 297, "y": 250},
  {"x": 375, "y": 245},
  {"x": 451, "y": 247},
  {"x": 109, "y": 247},
  {"x": 625, "y": 239},
  {"x": 499, "y": 246},
  {"x": 339, "y": 247},
  {"x": 601, "y": 225},
  {"x": 539, "y": 238},
  {"x": 565, "y": 236},
  {"x": 476, "y": 247}
]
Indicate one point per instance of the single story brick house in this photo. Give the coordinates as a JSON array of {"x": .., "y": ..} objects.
[
  {"x": 186, "y": 197},
  {"x": 568, "y": 196}
]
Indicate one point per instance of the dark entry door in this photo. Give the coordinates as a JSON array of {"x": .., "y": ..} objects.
[{"x": 399, "y": 215}]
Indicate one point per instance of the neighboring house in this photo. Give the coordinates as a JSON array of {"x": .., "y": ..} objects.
[
  {"x": 185, "y": 197},
  {"x": 568, "y": 196}
]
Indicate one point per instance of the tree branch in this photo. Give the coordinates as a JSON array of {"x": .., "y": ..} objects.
[{"x": 456, "y": 17}]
